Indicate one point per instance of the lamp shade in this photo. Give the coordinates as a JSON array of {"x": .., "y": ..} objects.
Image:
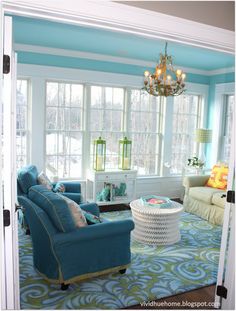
[{"x": 203, "y": 135}]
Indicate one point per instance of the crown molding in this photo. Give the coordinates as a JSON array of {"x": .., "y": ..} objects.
[
  {"x": 108, "y": 58},
  {"x": 116, "y": 17}
]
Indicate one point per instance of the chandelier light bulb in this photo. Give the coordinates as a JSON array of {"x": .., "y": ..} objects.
[
  {"x": 183, "y": 76},
  {"x": 146, "y": 73},
  {"x": 178, "y": 72},
  {"x": 169, "y": 77}
]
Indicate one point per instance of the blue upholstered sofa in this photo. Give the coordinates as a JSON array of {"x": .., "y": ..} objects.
[{"x": 63, "y": 253}]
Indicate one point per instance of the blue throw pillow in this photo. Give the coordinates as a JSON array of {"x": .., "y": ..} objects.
[
  {"x": 54, "y": 206},
  {"x": 92, "y": 219},
  {"x": 27, "y": 177}
]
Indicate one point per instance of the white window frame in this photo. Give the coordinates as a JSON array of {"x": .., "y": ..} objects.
[
  {"x": 82, "y": 129},
  {"x": 103, "y": 131},
  {"x": 158, "y": 133},
  {"x": 191, "y": 89},
  {"x": 221, "y": 90}
]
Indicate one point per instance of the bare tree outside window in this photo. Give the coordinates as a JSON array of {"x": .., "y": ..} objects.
[
  {"x": 145, "y": 131},
  {"x": 21, "y": 122},
  {"x": 186, "y": 118},
  {"x": 106, "y": 120},
  {"x": 227, "y": 128},
  {"x": 64, "y": 114}
]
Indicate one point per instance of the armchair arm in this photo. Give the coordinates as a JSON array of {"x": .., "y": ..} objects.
[
  {"x": 195, "y": 181},
  {"x": 73, "y": 196},
  {"x": 93, "y": 232},
  {"x": 91, "y": 208}
]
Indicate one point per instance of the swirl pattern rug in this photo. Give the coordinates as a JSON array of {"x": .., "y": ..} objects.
[{"x": 155, "y": 271}]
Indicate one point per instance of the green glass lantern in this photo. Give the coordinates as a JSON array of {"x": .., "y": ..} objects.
[
  {"x": 99, "y": 154},
  {"x": 125, "y": 154}
]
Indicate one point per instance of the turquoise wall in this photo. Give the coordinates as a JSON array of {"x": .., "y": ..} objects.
[{"x": 94, "y": 65}]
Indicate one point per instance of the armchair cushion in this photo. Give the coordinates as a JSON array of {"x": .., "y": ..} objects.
[
  {"x": 55, "y": 207},
  {"x": 27, "y": 177},
  {"x": 219, "y": 198}
]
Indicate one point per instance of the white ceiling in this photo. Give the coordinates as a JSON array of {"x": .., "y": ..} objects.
[{"x": 215, "y": 13}]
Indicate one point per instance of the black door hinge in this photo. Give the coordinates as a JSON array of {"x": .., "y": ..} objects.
[
  {"x": 221, "y": 291},
  {"x": 6, "y": 64},
  {"x": 6, "y": 217},
  {"x": 230, "y": 196}
]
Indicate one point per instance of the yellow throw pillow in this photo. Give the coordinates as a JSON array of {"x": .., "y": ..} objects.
[{"x": 219, "y": 176}]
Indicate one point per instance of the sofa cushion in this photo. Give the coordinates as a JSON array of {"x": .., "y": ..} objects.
[
  {"x": 54, "y": 206},
  {"x": 27, "y": 177},
  {"x": 204, "y": 194},
  {"x": 218, "y": 200}
]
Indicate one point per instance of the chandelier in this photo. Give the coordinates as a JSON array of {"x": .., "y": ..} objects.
[{"x": 165, "y": 81}]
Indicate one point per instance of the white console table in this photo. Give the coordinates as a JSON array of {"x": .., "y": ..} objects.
[{"x": 96, "y": 181}]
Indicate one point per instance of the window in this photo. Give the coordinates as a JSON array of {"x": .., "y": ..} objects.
[
  {"x": 145, "y": 130},
  {"x": 186, "y": 118},
  {"x": 21, "y": 123},
  {"x": 64, "y": 135},
  {"x": 106, "y": 120},
  {"x": 227, "y": 127}
]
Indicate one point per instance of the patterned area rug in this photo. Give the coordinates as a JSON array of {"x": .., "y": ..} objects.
[{"x": 155, "y": 272}]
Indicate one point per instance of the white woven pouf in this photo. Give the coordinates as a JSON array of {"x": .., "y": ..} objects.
[{"x": 154, "y": 225}]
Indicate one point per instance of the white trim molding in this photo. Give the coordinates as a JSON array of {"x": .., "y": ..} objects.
[
  {"x": 116, "y": 17},
  {"x": 221, "y": 90}
]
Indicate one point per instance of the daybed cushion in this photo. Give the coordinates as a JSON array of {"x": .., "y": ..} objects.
[
  {"x": 218, "y": 200},
  {"x": 54, "y": 206},
  {"x": 204, "y": 194},
  {"x": 27, "y": 177}
]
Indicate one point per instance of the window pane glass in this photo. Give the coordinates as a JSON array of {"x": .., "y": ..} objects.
[
  {"x": 96, "y": 96},
  {"x": 227, "y": 130},
  {"x": 106, "y": 120},
  {"x": 21, "y": 123},
  {"x": 65, "y": 119},
  {"x": 186, "y": 119},
  {"x": 145, "y": 130},
  {"x": 52, "y": 94}
]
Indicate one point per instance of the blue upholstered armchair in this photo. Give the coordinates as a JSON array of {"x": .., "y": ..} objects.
[
  {"x": 63, "y": 253},
  {"x": 27, "y": 177}
]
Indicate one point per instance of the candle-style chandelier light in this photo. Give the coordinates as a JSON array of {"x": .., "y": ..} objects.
[{"x": 165, "y": 81}]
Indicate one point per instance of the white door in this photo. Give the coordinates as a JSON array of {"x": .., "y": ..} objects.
[
  {"x": 9, "y": 234},
  {"x": 225, "y": 287}
]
